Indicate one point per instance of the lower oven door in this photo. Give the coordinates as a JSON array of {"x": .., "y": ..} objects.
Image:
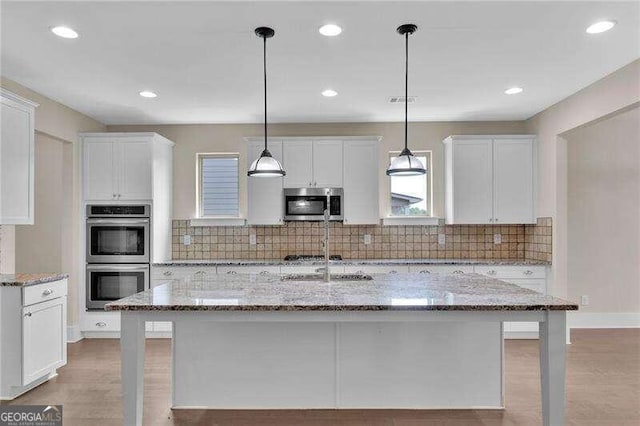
[{"x": 106, "y": 283}]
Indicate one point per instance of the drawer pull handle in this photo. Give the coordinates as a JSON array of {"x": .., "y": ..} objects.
[
  {"x": 167, "y": 273},
  {"x": 28, "y": 314},
  {"x": 393, "y": 271},
  {"x": 264, "y": 273},
  {"x": 424, "y": 271},
  {"x": 458, "y": 272},
  {"x": 359, "y": 271},
  {"x": 231, "y": 272},
  {"x": 200, "y": 273},
  {"x": 491, "y": 272},
  {"x": 101, "y": 324},
  {"x": 47, "y": 292},
  {"x": 528, "y": 272}
]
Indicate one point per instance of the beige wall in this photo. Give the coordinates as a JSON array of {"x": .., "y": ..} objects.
[
  {"x": 192, "y": 139},
  {"x": 613, "y": 93},
  {"x": 57, "y": 214},
  {"x": 603, "y": 211}
]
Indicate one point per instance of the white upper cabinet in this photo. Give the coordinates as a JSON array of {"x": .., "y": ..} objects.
[
  {"x": 265, "y": 199},
  {"x": 312, "y": 163},
  {"x": 297, "y": 159},
  {"x": 327, "y": 163},
  {"x": 17, "y": 156},
  {"x": 490, "y": 179},
  {"x": 361, "y": 169},
  {"x": 119, "y": 166}
]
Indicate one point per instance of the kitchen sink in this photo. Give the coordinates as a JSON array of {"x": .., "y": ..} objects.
[{"x": 319, "y": 277}]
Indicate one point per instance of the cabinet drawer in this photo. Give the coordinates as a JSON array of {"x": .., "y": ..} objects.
[
  {"x": 108, "y": 321},
  {"x": 43, "y": 292},
  {"x": 500, "y": 272},
  {"x": 178, "y": 272},
  {"x": 376, "y": 269},
  {"x": 441, "y": 269},
  {"x": 254, "y": 269}
]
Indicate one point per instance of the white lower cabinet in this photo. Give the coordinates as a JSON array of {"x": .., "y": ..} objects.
[
  {"x": 33, "y": 335},
  {"x": 249, "y": 269},
  {"x": 441, "y": 269}
]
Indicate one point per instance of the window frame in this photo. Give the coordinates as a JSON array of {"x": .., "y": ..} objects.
[
  {"x": 199, "y": 204},
  {"x": 428, "y": 186}
]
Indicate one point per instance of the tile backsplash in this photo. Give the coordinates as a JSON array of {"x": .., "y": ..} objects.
[{"x": 387, "y": 242}]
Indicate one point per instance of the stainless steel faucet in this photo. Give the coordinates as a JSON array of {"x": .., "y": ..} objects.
[{"x": 325, "y": 246}]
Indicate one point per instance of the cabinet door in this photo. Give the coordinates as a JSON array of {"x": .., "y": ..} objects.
[
  {"x": 361, "y": 168},
  {"x": 513, "y": 181},
  {"x": 297, "y": 158},
  {"x": 17, "y": 164},
  {"x": 327, "y": 163},
  {"x": 99, "y": 169},
  {"x": 44, "y": 338},
  {"x": 472, "y": 181},
  {"x": 265, "y": 203},
  {"x": 134, "y": 169}
]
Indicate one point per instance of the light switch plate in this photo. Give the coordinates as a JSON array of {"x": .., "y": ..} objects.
[
  {"x": 252, "y": 239},
  {"x": 186, "y": 240},
  {"x": 367, "y": 238},
  {"x": 584, "y": 300},
  {"x": 497, "y": 238},
  {"x": 442, "y": 239}
]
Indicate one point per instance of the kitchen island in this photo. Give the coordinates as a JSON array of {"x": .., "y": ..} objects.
[{"x": 383, "y": 341}]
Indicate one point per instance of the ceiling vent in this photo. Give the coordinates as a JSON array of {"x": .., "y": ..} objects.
[{"x": 400, "y": 99}]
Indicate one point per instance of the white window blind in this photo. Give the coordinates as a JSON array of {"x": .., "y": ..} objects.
[{"x": 218, "y": 185}]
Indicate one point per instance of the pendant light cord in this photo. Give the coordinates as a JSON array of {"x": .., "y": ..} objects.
[
  {"x": 406, "y": 89},
  {"x": 264, "y": 63}
]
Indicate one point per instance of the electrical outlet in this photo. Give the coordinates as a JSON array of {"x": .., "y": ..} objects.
[
  {"x": 252, "y": 239},
  {"x": 584, "y": 300},
  {"x": 442, "y": 239},
  {"x": 186, "y": 240},
  {"x": 497, "y": 238},
  {"x": 367, "y": 239}
]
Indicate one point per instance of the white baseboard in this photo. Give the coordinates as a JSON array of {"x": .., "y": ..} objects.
[
  {"x": 116, "y": 334},
  {"x": 603, "y": 320},
  {"x": 73, "y": 333}
]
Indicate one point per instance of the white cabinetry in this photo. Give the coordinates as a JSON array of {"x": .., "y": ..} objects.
[
  {"x": 312, "y": 163},
  {"x": 265, "y": 203},
  {"x": 361, "y": 169},
  {"x": 17, "y": 153},
  {"x": 117, "y": 167},
  {"x": 490, "y": 179},
  {"x": 34, "y": 335}
]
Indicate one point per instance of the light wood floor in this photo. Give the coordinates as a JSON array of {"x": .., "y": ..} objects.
[{"x": 603, "y": 389}]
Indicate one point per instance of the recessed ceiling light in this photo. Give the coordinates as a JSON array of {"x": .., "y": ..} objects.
[
  {"x": 600, "y": 27},
  {"x": 329, "y": 93},
  {"x": 330, "y": 30},
  {"x": 64, "y": 32},
  {"x": 513, "y": 90},
  {"x": 148, "y": 94}
]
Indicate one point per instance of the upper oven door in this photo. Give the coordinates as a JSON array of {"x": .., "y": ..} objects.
[{"x": 118, "y": 241}]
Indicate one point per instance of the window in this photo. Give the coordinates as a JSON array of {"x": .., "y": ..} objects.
[
  {"x": 218, "y": 185},
  {"x": 411, "y": 195}
]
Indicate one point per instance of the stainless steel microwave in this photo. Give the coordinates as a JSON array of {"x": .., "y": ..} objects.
[{"x": 310, "y": 203}]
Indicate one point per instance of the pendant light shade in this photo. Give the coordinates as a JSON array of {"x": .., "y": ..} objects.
[
  {"x": 406, "y": 164},
  {"x": 265, "y": 165}
]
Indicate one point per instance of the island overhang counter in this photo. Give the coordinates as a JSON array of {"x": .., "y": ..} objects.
[{"x": 394, "y": 341}]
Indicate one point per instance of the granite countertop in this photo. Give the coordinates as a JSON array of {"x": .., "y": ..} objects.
[
  {"x": 432, "y": 292},
  {"x": 23, "y": 280},
  {"x": 230, "y": 262}
]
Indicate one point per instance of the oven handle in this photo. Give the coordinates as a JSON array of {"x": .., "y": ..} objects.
[
  {"x": 119, "y": 221},
  {"x": 117, "y": 267}
]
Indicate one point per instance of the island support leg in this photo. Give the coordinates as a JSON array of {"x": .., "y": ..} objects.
[
  {"x": 552, "y": 367},
  {"x": 132, "y": 357}
]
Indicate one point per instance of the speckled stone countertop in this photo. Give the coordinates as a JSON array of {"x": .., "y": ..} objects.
[
  {"x": 230, "y": 262},
  {"x": 433, "y": 292},
  {"x": 23, "y": 280}
]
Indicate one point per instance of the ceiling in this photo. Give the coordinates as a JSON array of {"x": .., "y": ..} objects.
[{"x": 205, "y": 63}]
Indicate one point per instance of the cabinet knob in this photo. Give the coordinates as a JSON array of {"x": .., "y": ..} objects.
[
  {"x": 28, "y": 314},
  {"x": 47, "y": 292},
  {"x": 490, "y": 220},
  {"x": 458, "y": 272},
  {"x": 264, "y": 273},
  {"x": 424, "y": 271},
  {"x": 491, "y": 272},
  {"x": 231, "y": 272},
  {"x": 496, "y": 219},
  {"x": 101, "y": 324},
  {"x": 114, "y": 195}
]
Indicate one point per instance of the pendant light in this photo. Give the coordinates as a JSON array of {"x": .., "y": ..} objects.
[
  {"x": 406, "y": 164},
  {"x": 265, "y": 165}
]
